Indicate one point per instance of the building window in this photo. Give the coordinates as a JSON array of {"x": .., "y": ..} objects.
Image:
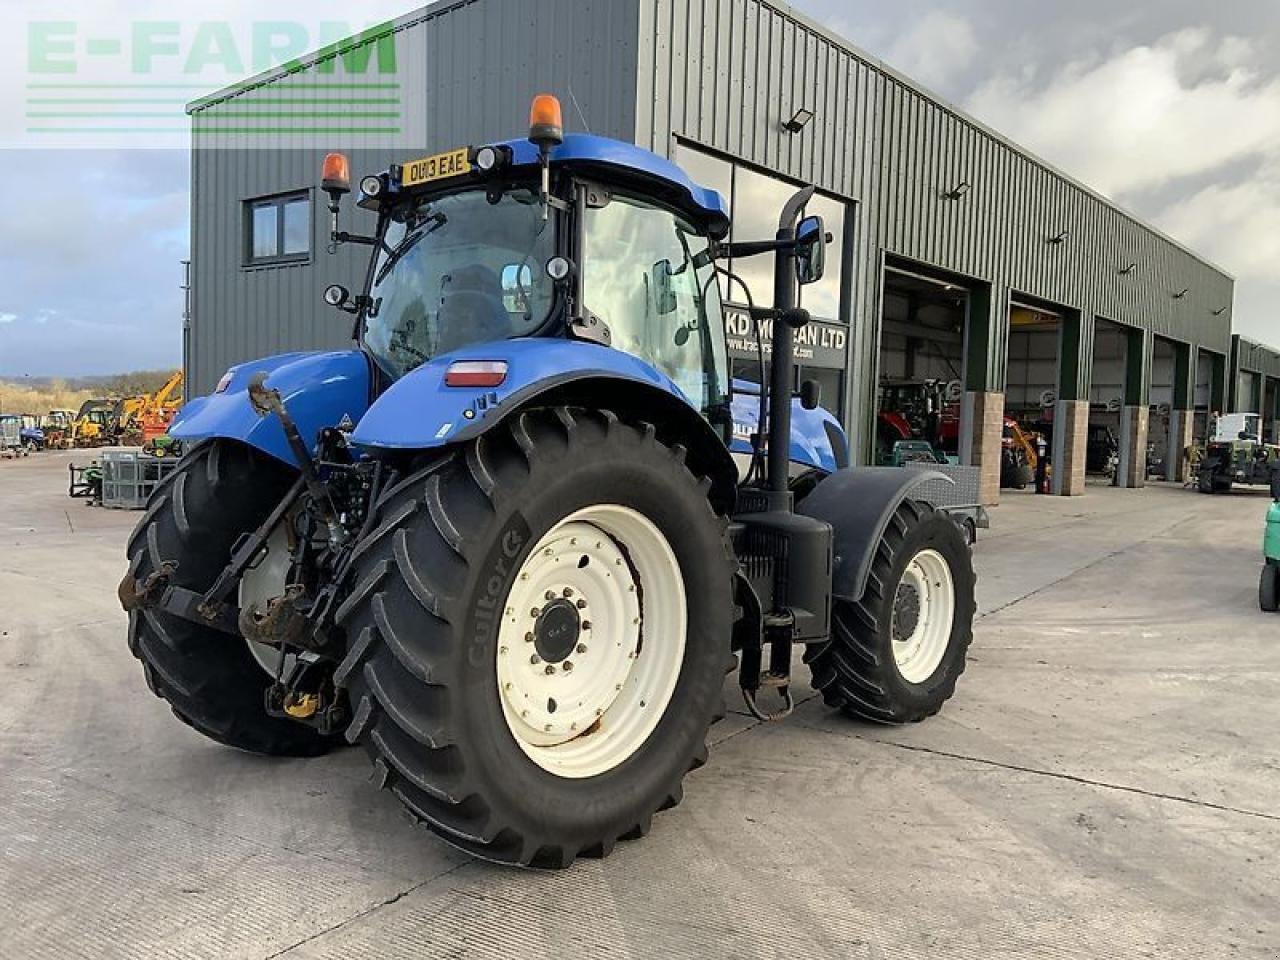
[
  {"x": 278, "y": 229},
  {"x": 755, "y": 199}
]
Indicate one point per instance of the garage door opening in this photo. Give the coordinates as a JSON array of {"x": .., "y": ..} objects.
[
  {"x": 1031, "y": 395},
  {"x": 1271, "y": 410},
  {"x": 921, "y": 364},
  {"x": 1106, "y": 402},
  {"x": 1160, "y": 450},
  {"x": 1208, "y": 400}
]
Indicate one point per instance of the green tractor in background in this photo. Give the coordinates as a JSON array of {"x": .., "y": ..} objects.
[{"x": 1236, "y": 453}]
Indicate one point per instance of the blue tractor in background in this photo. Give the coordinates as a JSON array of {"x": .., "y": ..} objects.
[{"x": 512, "y": 542}]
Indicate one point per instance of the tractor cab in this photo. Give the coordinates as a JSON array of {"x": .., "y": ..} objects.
[
  {"x": 575, "y": 236},
  {"x": 555, "y": 236}
]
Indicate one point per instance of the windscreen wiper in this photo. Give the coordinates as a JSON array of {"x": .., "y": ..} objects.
[{"x": 437, "y": 219}]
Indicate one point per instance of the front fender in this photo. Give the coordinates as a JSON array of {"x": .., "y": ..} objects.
[
  {"x": 420, "y": 412},
  {"x": 319, "y": 389},
  {"x": 858, "y": 503},
  {"x": 817, "y": 439}
]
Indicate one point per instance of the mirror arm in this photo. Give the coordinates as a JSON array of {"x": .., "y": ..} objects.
[
  {"x": 341, "y": 236},
  {"x": 751, "y": 248}
]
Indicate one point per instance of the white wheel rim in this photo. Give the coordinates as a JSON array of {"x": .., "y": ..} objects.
[
  {"x": 263, "y": 583},
  {"x": 924, "y": 608},
  {"x": 584, "y": 714}
]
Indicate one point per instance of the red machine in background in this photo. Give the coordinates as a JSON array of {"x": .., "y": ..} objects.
[{"x": 918, "y": 419}]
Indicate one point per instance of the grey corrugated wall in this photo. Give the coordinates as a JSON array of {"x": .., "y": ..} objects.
[
  {"x": 466, "y": 72},
  {"x": 725, "y": 74},
  {"x": 1250, "y": 357}
]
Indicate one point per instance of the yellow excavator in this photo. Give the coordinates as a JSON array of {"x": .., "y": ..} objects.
[
  {"x": 138, "y": 420},
  {"x": 92, "y": 425}
]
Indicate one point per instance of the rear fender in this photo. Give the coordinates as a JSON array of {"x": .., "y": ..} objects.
[
  {"x": 421, "y": 412},
  {"x": 858, "y": 503},
  {"x": 319, "y": 389}
]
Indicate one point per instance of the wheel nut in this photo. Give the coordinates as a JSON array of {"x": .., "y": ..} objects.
[
  {"x": 535, "y": 612},
  {"x": 567, "y": 665},
  {"x": 535, "y": 659},
  {"x": 568, "y": 592},
  {"x": 549, "y": 595},
  {"x": 528, "y": 637},
  {"x": 582, "y": 604},
  {"x": 581, "y": 648},
  {"x": 586, "y": 624},
  {"x": 549, "y": 670}
]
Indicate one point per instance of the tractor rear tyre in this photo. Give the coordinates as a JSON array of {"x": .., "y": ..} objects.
[
  {"x": 538, "y": 629},
  {"x": 895, "y": 655},
  {"x": 209, "y": 678},
  {"x": 1269, "y": 588}
]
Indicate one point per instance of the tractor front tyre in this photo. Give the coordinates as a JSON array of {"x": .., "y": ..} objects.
[
  {"x": 537, "y": 629},
  {"x": 895, "y": 655},
  {"x": 210, "y": 679},
  {"x": 1269, "y": 588}
]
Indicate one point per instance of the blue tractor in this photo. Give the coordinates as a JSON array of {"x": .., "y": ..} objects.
[{"x": 512, "y": 542}]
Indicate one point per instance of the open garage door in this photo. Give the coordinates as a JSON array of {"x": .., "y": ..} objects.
[
  {"x": 1208, "y": 394},
  {"x": 1031, "y": 392},
  {"x": 1160, "y": 449},
  {"x": 1271, "y": 409},
  {"x": 921, "y": 364},
  {"x": 1106, "y": 401}
]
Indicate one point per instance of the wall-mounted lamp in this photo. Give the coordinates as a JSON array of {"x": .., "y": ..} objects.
[
  {"x": 799, "y": 120},
  {"x": 1128, "y": 269},
  {"x": 1061, "y": 237},
  {"x": 1182, "y": 294},
  {"x": 1220, "y": 311},
  {"x": 959, "y": 190}
]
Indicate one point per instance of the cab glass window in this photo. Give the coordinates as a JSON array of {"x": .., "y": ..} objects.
[{"x": 646, "y": 274}]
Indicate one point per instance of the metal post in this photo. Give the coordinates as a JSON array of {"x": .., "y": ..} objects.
[
  {"x": 186, "y": 319},
  {"x": 782, "y": 357},
  {"x": 783, "y": 351}
]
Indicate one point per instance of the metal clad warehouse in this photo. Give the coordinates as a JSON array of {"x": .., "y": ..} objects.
[{"x": 960, "y": 258}]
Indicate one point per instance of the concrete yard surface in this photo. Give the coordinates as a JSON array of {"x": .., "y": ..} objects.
[{"x": 1104, "y": 783}]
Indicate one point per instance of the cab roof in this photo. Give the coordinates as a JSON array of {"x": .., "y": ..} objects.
[{"x": 629, "y": 165}]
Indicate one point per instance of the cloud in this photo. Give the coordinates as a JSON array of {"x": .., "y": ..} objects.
[
  {"x": 936, "y": 47},
  {"x": 8, "y": 317},
  {"x": 1234, "y": 222},
  {"x": 1143, "y": 117}
]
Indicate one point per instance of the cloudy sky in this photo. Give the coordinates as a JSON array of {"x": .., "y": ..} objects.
[{"x": 1172, "y": 108}]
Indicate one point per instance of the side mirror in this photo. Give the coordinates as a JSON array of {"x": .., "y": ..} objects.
[
  {"x": 811, "y": 250},
  {"x": 810, "y": 394},
  {"x": 664, "y": 297}
]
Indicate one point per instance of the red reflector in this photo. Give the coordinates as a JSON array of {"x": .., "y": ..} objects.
[{"x": 475, "y": 373}]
